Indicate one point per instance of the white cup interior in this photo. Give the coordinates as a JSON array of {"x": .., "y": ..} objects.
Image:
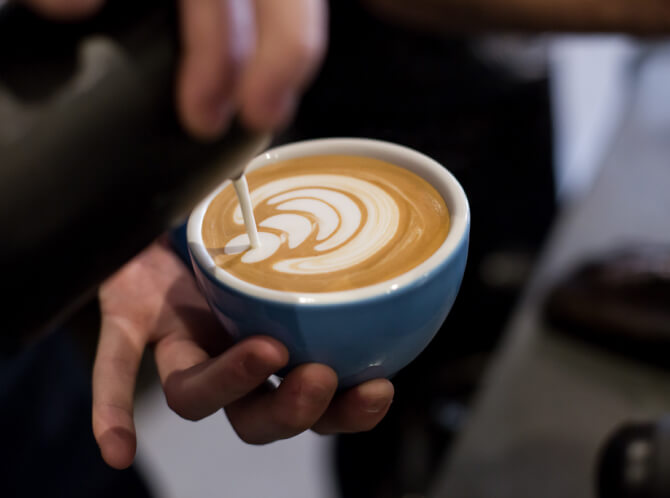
[{"x": 434, "y": 173}]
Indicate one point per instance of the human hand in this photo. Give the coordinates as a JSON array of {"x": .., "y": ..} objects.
[
  {"x": 154, "y": 301},
  {"x": 251, "y": 57}
]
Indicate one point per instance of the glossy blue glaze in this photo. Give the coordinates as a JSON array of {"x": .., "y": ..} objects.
[{"x": 360, "y": 340}]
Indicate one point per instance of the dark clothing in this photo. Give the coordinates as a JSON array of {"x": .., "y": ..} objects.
[{"x": 48, "y": 447}]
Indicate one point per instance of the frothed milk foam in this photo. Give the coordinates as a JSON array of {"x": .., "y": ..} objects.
[{"x": 327, "y": 223}]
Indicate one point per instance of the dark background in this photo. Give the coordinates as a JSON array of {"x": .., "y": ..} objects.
[{"x": 490, "y": 127}]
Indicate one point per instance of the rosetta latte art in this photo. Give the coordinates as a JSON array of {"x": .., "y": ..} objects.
[
  {"x": 323, "y": 204},
  {"x": 327, "y": 223}
]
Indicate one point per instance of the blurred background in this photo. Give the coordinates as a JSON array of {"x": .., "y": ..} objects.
[{"x": 561, "y": 143}]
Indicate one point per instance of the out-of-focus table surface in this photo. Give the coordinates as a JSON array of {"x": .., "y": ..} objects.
[{"x": 548, "y": 402}]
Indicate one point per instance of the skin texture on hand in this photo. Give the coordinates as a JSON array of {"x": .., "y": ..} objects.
[
  {"x": 154, "y": 301},
  {"x": 246, "y": 57}
]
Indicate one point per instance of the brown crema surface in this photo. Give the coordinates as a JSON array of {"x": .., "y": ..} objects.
[{"x": 423, "y": 225}]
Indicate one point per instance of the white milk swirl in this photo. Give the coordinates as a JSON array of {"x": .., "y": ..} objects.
[
  {"x": 346, "y": 236},
  {"x": 327, "y": 223}
]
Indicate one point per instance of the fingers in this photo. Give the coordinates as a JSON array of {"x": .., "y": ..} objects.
[
  {"x": 65, "y": 9},
  {"x": 359, "y": 409},
  {"x": 301, "y": 400},
  {"x": 196, "y": 386},
  {"x": 218, "y": 36},
  {"x": 219, "y": 75},
  {"x": 290, "y": 46},
  {"x": 117, "y": 360}
]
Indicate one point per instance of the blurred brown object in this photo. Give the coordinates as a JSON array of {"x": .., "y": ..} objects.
[
  {"x": 620, "y": 300},
  {"x": 648, "y": 17}
]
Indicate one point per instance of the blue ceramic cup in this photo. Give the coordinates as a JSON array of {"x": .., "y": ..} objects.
[{"x": 362, "y": 333}]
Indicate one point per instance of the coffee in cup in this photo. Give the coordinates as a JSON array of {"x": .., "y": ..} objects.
[
  {"x": 361, "y": 332},
  {"x": 327, "y": 223}
]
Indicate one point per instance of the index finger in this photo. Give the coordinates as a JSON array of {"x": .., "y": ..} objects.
[
  {"x": 196, "y": 385},
  {"x": 114, "y": 373},
  {"x": 217, "y": 36}
]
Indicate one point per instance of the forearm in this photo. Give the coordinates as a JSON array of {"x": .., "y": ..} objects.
[{"x": 634, "y": 16}]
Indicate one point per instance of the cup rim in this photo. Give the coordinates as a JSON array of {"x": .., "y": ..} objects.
[{"x": 441, "y": 179}]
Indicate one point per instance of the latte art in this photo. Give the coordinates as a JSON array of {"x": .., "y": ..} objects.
[
  {"x": 345, "y": 234},
  {"x": 326, "y": 222}
]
